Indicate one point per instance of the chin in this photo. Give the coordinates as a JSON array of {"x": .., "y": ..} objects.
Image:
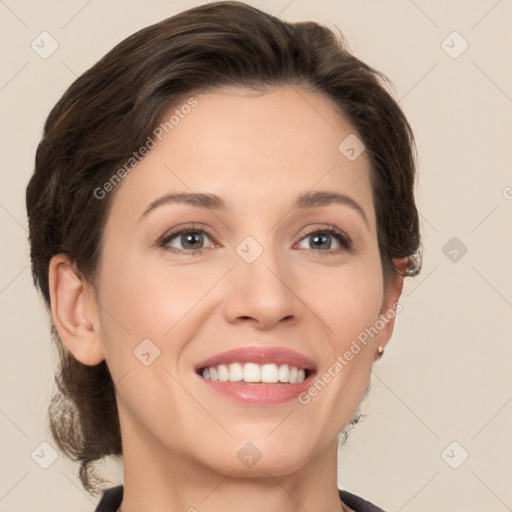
[{"x": 260, "y": 455}]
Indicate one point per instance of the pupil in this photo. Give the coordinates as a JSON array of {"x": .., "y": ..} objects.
[
  {"x": 321, "y": 238},
  {"x": 190, "y": 238}
]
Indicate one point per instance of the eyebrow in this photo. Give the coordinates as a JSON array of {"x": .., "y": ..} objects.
[{"x": 216, "y": 203}]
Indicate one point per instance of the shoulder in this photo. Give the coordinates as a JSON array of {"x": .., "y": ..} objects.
[
  {"x": 357, "y": 503},
  {"x": 111, "y": 500}
]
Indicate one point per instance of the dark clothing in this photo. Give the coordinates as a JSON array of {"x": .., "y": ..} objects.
[
  {"x": 112, "y": 498},
  {"x": 356, "y": 503}
]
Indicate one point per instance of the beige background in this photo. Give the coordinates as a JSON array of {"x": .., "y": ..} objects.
[{"x": 446, "y": 376}]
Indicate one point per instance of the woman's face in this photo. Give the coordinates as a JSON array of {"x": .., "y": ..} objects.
[{"x": 263, "y": 279}]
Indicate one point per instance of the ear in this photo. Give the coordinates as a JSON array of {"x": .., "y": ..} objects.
[
  {"x": 74, "y": 311},
  {"x": 389, "y": 309}
]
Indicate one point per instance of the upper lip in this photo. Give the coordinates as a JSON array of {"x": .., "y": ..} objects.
[{"x": 259, "y": 355}]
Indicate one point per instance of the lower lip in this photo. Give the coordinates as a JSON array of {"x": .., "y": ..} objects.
[{"x": 259, "y": 394}]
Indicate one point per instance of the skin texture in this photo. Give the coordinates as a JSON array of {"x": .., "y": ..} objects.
[{"x": 180, "y": 439}]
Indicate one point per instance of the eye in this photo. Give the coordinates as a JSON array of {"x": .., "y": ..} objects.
[
  {"x": 186, "y": 240},
  {"x": 322, "y": 239},
  {"x": 192, "y": 239}
]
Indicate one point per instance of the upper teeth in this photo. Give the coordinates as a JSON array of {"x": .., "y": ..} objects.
[{"x": 252, "y": 372}]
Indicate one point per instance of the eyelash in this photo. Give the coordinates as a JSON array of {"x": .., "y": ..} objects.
[{"x": 341, "y": 236}]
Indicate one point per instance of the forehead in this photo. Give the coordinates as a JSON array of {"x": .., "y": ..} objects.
[{"x": 251, "y": 149}]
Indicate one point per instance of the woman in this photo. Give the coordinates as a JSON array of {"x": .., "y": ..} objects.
[{"x": 223, "y": 373}]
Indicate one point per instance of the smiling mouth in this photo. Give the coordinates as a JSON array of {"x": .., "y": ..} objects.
[{"x": 254, "y": 373}]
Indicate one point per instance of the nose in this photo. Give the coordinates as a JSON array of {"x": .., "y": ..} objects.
[{"x": 262, "y": 292}]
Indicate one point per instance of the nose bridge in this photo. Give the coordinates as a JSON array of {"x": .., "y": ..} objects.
[
  {"x": 263, "y": 262},
  {"x": 260, "y": 285}
]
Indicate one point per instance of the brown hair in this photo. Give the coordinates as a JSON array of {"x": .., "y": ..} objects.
[{"x": 112, "y": 108}]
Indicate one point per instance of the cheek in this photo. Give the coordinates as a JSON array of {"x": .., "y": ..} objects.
[
  {"x": 347, "y": 299},
  {"x": 142, "y": 300}
]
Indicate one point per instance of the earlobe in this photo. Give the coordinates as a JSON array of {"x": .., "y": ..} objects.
[
  {"x": 389, "y": 309},
  {"x": 74, "y": 311}
]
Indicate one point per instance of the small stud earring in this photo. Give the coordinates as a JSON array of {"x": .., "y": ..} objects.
[{"x": 380, "y": 350}]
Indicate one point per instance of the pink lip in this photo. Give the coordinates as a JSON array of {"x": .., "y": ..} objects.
[
  {"x": 262, "y": 395},
  {"x": 256, "y": 393},
  {"x": 259, "y": 355}
]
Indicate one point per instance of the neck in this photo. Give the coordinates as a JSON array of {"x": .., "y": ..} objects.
[{"x": 155, "y": 482}]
